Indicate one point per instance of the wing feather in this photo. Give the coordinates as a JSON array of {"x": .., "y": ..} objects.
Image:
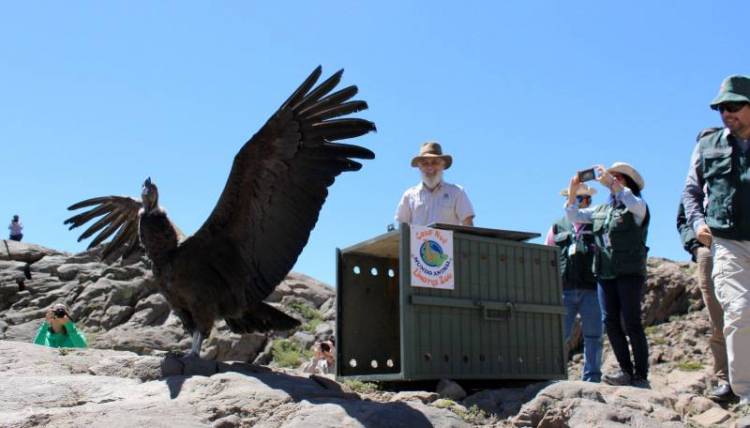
[
  {"x": 119, "y": 216},
  {"x": 279, "y": 182}
]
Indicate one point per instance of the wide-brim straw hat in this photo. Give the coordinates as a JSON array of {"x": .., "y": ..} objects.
[
  {"x": 583, "y": 190},
  {"x": 627, "y": 169},
  {"x": 432, "y": 150}
]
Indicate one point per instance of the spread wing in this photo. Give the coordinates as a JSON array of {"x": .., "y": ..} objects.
[
  {"x": 119, "y": 216},
  {"x": 277, "y": 186}
]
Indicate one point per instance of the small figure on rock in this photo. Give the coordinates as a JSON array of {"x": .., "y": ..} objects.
[
  {"x": 324, "y": 359},
  {"x": 58, "y": 330},
  {"x": 16, "y": 229}
]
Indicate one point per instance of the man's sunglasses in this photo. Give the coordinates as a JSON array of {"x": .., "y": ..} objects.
[
  {"x": 731, "y": 107},
  {"x": 581, "y": 198}
]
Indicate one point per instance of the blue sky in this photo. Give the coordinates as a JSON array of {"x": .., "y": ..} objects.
[{"x": 96, "y": 96}]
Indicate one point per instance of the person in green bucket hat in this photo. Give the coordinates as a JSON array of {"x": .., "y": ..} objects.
[
  {"x": 719, "y": 175},
  {"x": 734, "y": 90}
]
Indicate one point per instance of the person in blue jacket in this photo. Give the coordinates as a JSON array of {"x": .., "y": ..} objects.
[{"x": 58, "y": 331}]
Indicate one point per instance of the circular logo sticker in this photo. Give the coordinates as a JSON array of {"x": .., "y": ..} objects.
[{"x": 432, "y": 254}]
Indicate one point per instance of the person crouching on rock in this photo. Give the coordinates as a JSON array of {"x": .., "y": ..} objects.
[
  {"x": 324, "y": 360},
  {"x": 16, "y": 229},
  {"x": 58, "y": 331}
]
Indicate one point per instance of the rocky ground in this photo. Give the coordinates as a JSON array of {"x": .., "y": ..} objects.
[{"x": 128, "y": 378}]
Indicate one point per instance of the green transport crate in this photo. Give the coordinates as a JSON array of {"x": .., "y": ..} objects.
[{"x": 503, "y": 319}]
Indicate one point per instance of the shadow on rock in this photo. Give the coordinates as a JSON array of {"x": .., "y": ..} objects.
[{"x": 316, "y": 390}]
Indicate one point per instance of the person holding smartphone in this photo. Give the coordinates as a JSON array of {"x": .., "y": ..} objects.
[
  {"x": 324, "y": 360},
  {"x": 577, "y": 249},
  {"x": 620, "y": 229},
  {"x": 58, "y": 330}
]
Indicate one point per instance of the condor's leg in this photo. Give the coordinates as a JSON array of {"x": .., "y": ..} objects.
[{"x": 195, "y": 350}]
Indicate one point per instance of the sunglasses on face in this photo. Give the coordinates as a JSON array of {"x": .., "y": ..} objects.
[
  {"x": 580, "y": 199},
  {"x": 731, "y": 107}
]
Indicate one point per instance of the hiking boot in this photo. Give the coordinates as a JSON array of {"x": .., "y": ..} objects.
[
  {"x": 617, "y": 378},
  {"x": 640, "y": 382},
  {"x": 723, "y": 394}
]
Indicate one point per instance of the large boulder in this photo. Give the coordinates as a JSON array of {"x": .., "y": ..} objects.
[
  {"x": 117, "y": 306},
  {"x": 48, "y": 387},
  {"x": 24, "y": 252}
]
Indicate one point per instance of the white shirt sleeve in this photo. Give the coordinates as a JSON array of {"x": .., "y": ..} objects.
[
  {"x": 578, "y": 215},
  {"x": 403, "y": 210},
  {"x": 464, "y": 209},
  {"x": 634, "y": 204}
]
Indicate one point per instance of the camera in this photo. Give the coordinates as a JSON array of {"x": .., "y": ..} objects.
[
  {"x": 324, "y": 347},
  {"x": 59, "y": 313},
  {"x": 586, "y": 175}
]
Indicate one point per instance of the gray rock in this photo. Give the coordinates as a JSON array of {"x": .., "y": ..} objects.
[
  {"x": 227, "y": 346},
  {"x": 25, "y": 315},
  {"x": 116, "y": 315},
  {"x": 266, "y": 355},
  {"x": 323, "y": 330},
  {"x": 449, "y": 389},
  {"x": 68, "y": 272},
  {"x": 152, "y": 310},
  {"x": 25, "y": 332},
  {"x": 743, "y": 422},
  {"x": 304, "y": 339},
  {"x": 24, "y": 252},
  {"x": 230, "y": 421},
  {"x": 129, "y": 366},
  {"x": 330, "y": 314},
  {"x": 304, "y": 287},
  {"x": 330, "y": 303},
  {"x": 49, "y": 264},
  {"x": 576, "y": 403},
  {"x": 423, "y": 396}
]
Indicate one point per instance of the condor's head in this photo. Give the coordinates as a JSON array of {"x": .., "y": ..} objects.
[{"x": 149, "y": 196}]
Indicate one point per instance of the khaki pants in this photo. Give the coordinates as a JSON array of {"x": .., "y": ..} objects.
[
  {"x": 732, "y": 282},
  {"x": 715, "y": 313}
]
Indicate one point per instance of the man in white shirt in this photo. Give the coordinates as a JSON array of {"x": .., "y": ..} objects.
[{"x": 433, "y": 200}]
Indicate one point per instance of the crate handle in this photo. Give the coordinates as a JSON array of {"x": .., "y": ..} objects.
[{"x": 506, "y": 309}]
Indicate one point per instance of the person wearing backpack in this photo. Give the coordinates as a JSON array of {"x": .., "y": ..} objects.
[{"x": 577, "y": 248}]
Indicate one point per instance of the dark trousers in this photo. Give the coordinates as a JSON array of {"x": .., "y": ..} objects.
[
  {"x": 620, "y": 298},
  {"x": 16, "y": 237}
]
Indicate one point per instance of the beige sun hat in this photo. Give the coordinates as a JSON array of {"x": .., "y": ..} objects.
[
  {"x": 627, "y": 169},
  {"x": 432, "y": 149},
  {"x": 583, "y": 190}
]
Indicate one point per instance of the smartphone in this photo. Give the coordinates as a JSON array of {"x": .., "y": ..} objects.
[{"x": 587, "y": 175}]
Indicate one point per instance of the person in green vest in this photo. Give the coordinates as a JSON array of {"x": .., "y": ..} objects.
[
  {"x": 620, "y": 230},
  {"x": 717, "y": 206},
  {"x": 577, "y": 249},
  {"x": 58, "y": 331}
]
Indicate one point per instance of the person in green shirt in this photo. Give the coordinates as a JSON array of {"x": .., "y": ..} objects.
[{"x": 58, "y": 331}]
